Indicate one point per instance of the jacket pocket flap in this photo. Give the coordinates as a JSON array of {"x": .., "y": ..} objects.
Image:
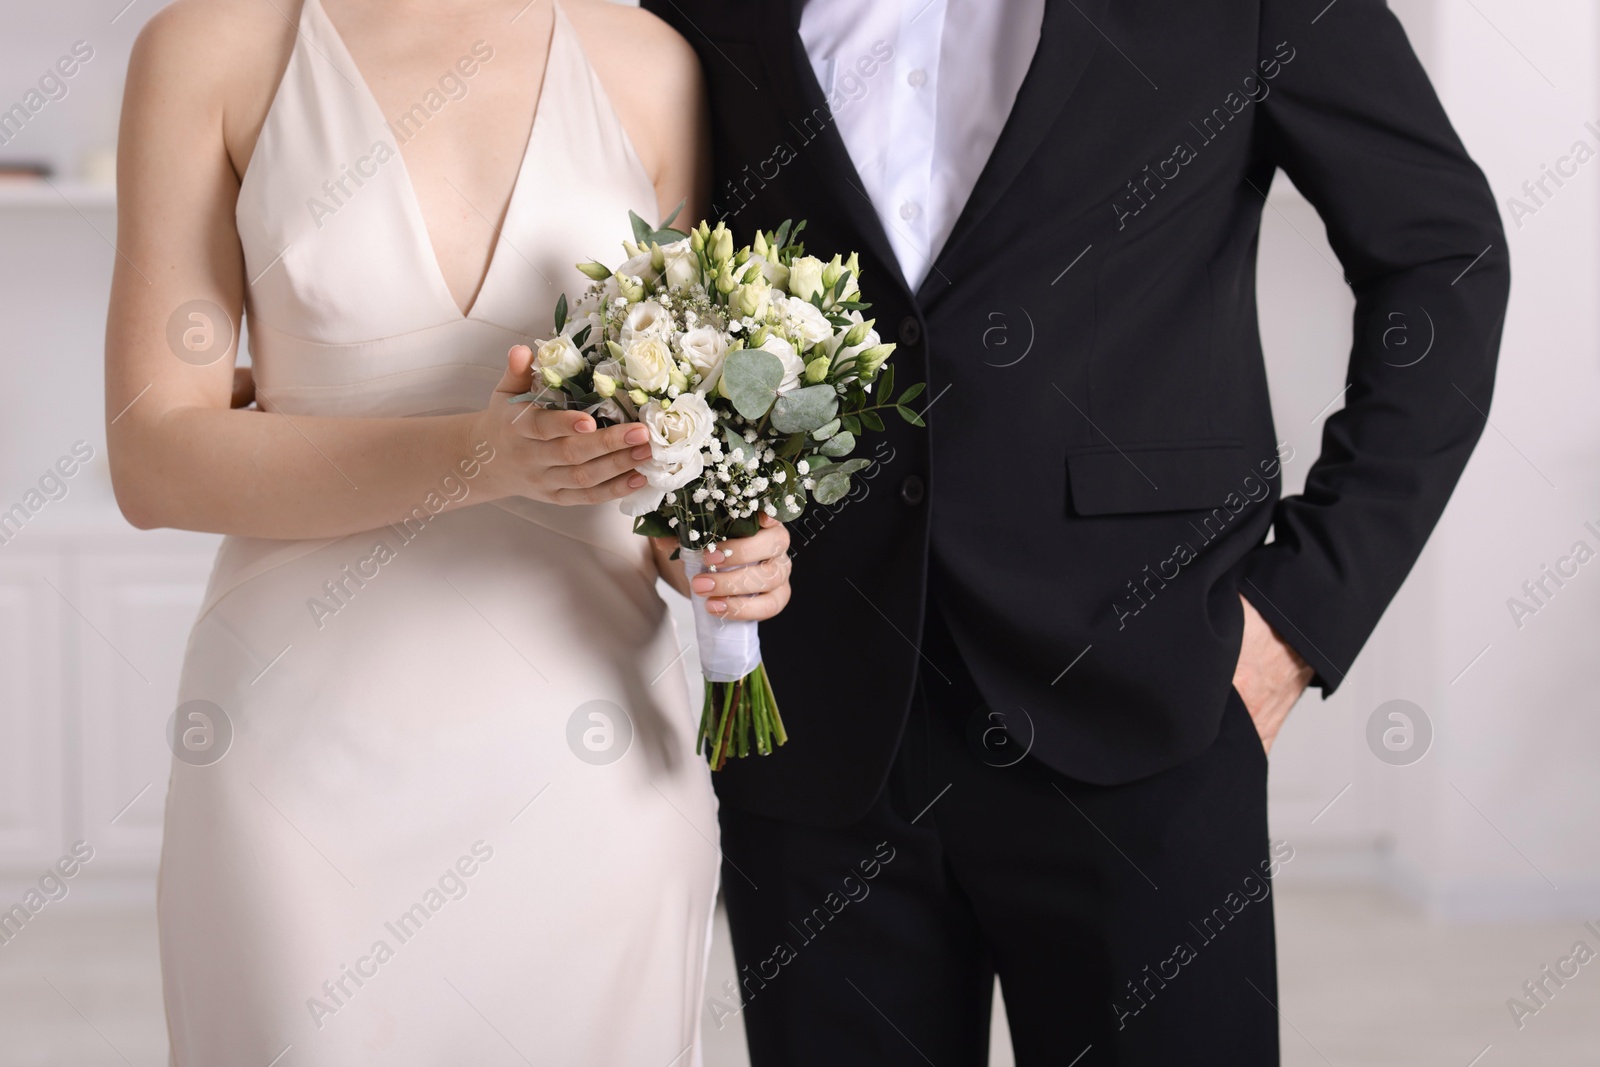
[{"x": 1148, "y": 478}]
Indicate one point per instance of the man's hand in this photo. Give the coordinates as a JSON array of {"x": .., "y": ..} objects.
[{"x": 1270, "y": 675}]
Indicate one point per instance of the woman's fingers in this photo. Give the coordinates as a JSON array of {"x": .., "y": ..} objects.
[
  {"x": 754, "y": 608},
  {"x": 615, "y": 489},
  {"x": 763, "y": 577},
  {"x": 518, "y": 378},
  {"x": 597, "y": 472}
]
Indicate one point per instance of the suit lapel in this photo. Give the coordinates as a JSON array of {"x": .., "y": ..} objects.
[
  {"x": 1068, "y": 38},
  {"x": 806, "y": 108}
]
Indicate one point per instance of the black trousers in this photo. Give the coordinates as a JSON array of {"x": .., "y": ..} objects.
[{"x": 1129, "y": 924}]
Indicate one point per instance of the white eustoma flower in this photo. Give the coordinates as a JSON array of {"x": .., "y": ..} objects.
[
  {"x": 705, "y": 349},
  {"x": 682, "y": 267},
  {"x": 647, "y": 319},
  {"x": 648, "y": 362},
  {"x": 678, "y": 433},
  {"x": 805, "y": 321},
  {"x": 793, "y": 366},
  {"x": 638, "y": 267},
  {"x": 678, "y": 430},
  {"x": 560, "y": 355}
]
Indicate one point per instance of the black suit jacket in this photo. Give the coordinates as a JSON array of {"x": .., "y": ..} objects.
[{"x": 1100, "y": 470}]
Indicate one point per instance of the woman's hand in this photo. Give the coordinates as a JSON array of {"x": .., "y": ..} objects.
[
  {"x": 559, "y": 457},
  {"x": 757, "y": 590}
]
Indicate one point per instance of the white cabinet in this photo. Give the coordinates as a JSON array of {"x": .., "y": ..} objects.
[
  {"x": 140, "y": 606},
  {"x": 32, "y": 682},
  {"x": 93, "y": 624}
]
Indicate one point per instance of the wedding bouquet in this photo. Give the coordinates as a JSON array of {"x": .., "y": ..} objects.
[{"x": 754, "y": 370}]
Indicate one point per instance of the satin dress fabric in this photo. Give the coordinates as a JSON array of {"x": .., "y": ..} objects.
[{"x": 444, "y": 806}]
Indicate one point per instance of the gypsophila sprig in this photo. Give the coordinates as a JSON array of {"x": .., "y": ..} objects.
[{"x": 754, "y": 370}]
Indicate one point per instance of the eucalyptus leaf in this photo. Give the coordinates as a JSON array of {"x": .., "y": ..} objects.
[
  {"x": 670, "y": 219},
  {"x": 850, "y": 466},
  {"x": 641, "y": 228},
  {"x": 840, "y": 445},
  {"x": 805, "y": 410},
  {"x": 825, "y": 431},
  {"x": 751, "y": 377},
  {"x": 831, "y": 488}
]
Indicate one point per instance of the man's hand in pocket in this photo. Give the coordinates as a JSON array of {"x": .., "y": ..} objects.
[{"x": 1270, "y": 676}]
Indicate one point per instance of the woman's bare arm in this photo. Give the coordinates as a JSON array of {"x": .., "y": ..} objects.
[{"x": 179, "y": 456}]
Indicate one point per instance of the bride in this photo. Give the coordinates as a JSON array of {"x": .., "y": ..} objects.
[{"x": 445, "y": 805}]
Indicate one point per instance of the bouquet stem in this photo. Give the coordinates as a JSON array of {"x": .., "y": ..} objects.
[{"x": 734, "y": 711}]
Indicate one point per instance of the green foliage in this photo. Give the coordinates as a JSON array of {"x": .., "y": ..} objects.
[
  {"x": 751, "y": 378},
  {"x": 805, "y": 410}
]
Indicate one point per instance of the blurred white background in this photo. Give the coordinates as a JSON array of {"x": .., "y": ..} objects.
[{"x": 1421, "y": 896}]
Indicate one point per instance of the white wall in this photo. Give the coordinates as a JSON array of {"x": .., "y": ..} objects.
[{"x": 1503, "y": 808}]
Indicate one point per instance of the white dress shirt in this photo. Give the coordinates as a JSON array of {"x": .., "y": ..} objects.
[{"x": 920, "y": 90}]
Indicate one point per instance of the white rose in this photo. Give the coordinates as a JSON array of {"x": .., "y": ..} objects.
[
  {"x": 793, "y": 366},
  {"x": 806, "y": 322},
  {"x": 560, "y": 355},
  {"x": 648, "y": 319},
  {"x": 705, "y": 348},
  {"x": 682, "y": 265},
  {"x": 649, "y": 364},
  {"x": 805, "y": 277}
]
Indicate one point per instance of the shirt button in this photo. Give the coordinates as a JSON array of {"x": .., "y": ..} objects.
[
  {"x": 917, "y": 78},
  {"x": 909, "y": 210},
  {"x": 912, "y": 491},
  {"x": 910, "y": 330}
]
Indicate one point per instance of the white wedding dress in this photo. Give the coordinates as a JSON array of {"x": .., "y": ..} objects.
[{"x": 460, "y": 819}]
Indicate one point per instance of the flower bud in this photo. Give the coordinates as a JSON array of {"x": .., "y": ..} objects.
[
  {"x": 551, "y": 378},
  {"x": 658, "y": 259},
  {"x": 853, "y": 265},
  {"x": 697, "y": 241},
  {"x": 595, "y": 272},
  {"x": 817, "y": 370},
  {"x": 605, "y": 385},
  {"x": 831, "y": 272},
  {"x": 639, "y": 397},
  {"x": 721, "y": 242},
  {"x": 760, "y": 246},
  {"x": 858, "y": 333},
  {"x": 616, "y": 352},
  {"x": 873, "y": 358}
]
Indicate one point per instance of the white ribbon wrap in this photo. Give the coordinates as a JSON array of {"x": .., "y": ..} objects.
[{"x": 729, "y": 648}]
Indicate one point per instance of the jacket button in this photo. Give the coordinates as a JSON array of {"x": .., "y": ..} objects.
[
  {"x": 912, "y": 490},
  {"x": 910, "y": 330}
]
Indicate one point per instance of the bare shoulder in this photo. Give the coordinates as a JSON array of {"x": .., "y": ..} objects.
[
  {"x": 629, "y": 33},
  {"x": 663, "y": 110},
  {"x": 217, "y": 59}
]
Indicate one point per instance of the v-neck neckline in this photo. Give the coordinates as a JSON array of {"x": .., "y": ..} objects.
[{"x": 408, "y": 191}]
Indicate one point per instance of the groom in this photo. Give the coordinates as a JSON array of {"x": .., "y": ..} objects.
[{"x": 1075, "y": 610}]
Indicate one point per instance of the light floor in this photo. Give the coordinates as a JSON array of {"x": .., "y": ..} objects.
[{"x": 1365, "y": 982}]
